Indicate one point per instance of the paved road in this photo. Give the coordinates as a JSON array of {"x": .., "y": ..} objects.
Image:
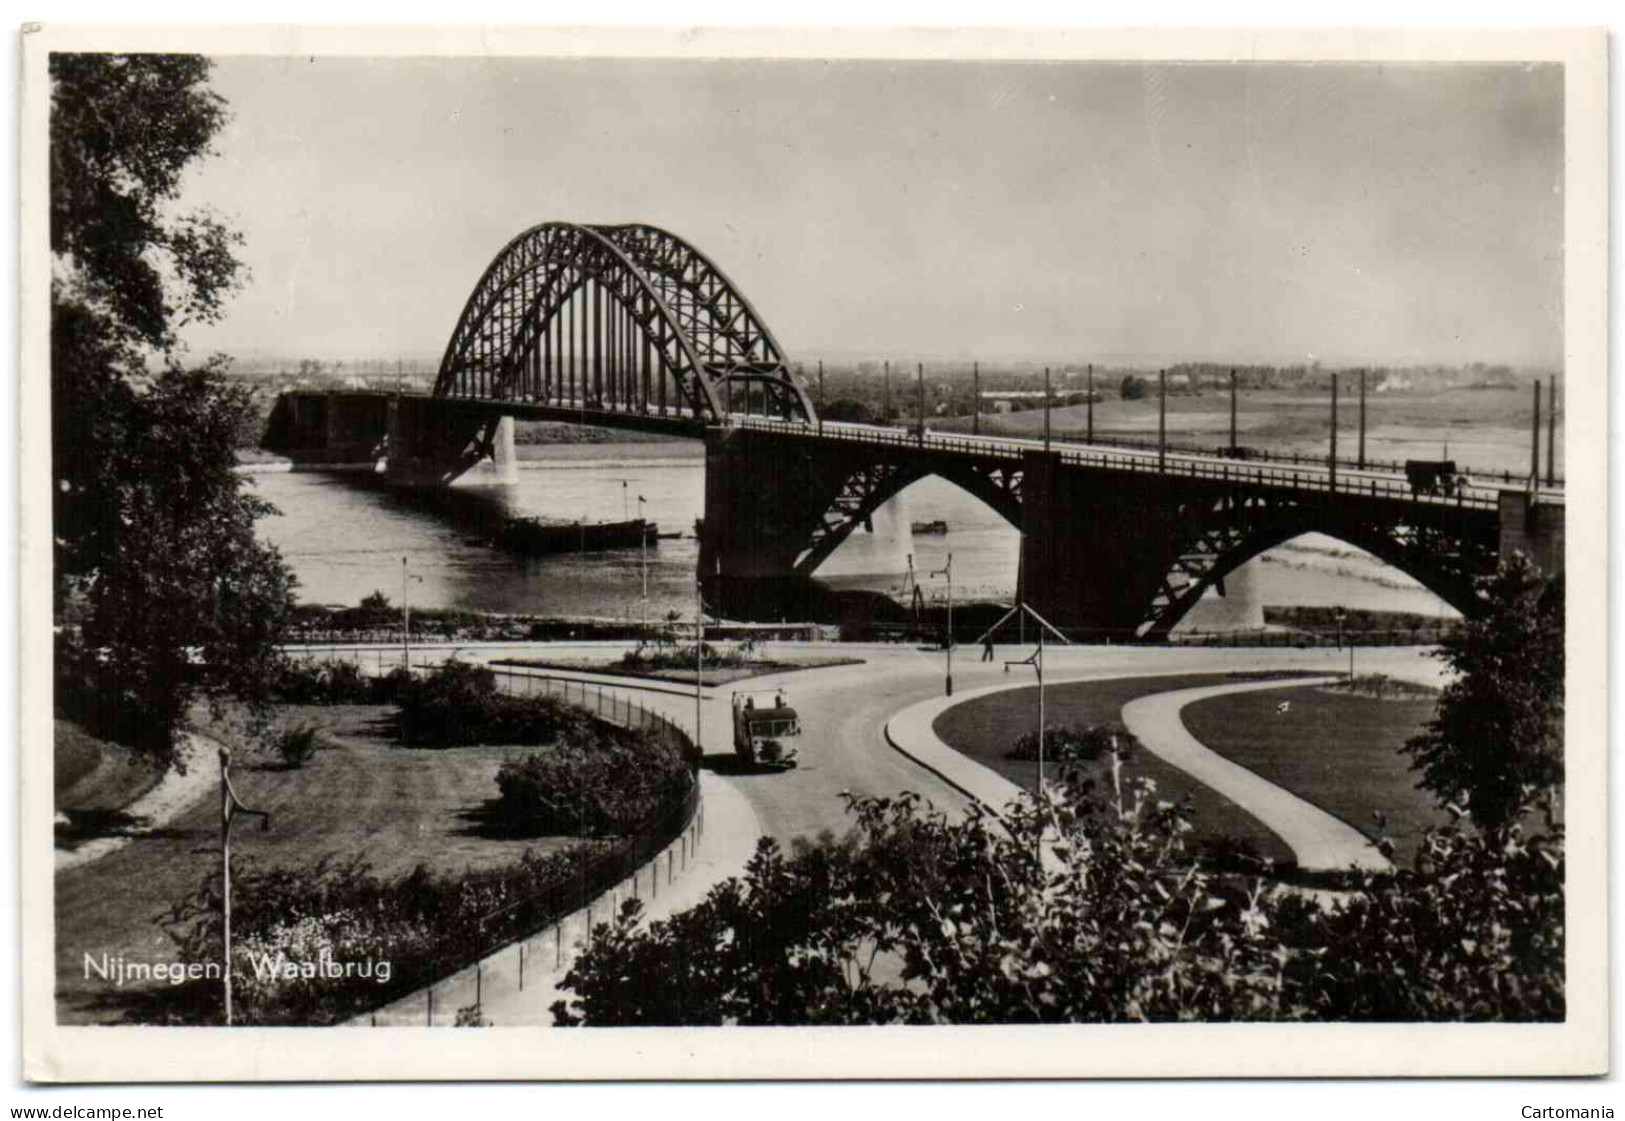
[
  {"x": 1482, "y": 488},
  {"x": 845, "y": 709}
]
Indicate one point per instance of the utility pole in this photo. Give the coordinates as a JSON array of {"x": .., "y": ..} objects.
[
  {"x": 1362, "y": 419},
  {"x": 1046, "y": 408},
  {"x": 1091, "y": 403},
  {"x": 643, "y": 563},
  {"x": 976, "y": 398},
  {"x": 820, "y": 396},
  {"x": 1534, "y": 444},
  {"x": 1333, "y": 461},
  {"x": 919, "y": 395},
  {"x": 1551, "y": 431},
  {"x": 1162, "y": 420},
  {"x": 888, "y": 390},
  {"x": 1232, "y": 410}
]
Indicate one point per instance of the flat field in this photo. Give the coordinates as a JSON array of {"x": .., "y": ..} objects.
[{"x": 1484, "y": 429}]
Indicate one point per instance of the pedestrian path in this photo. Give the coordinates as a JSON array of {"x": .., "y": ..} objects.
[
  {"x": 517, "y": 985},
  {"x": 1318, "y": 840},
  {"x": 174, "y": 794}
]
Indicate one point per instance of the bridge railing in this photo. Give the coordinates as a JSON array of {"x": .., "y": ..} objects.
[{"x": 1181, "y": 464}]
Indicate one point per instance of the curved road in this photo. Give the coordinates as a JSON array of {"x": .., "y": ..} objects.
[{"x": 844, "y": 709}]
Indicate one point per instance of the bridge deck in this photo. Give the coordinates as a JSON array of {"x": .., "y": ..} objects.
[{"x": 1262, "y": 469}]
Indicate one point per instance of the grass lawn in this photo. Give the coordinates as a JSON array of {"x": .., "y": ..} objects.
[
  {"x": 361, "y": 794},
  {"x": 95, "y": 775},
  {"x": 985, "y": 727},
  {"x": 1337, "y": 750}
]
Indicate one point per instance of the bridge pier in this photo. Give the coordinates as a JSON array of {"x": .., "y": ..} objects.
[
  {"x": 1092, "y": 556},
  {"x": 1533, "y": 528},
  {"x": 756, "y": 504},
  {"x": 436, "y": 443}
]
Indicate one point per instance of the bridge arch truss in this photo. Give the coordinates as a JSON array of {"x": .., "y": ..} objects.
[{"x": 622, "y": 319}]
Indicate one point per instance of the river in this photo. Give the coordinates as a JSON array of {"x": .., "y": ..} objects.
[{"x": 345, "y": 537}]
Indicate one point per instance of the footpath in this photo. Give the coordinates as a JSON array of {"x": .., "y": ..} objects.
[
  {"x": 517, "y": 985},
  {"x": 173, "y": 795},
  {"x": 1317, "y": 839}
]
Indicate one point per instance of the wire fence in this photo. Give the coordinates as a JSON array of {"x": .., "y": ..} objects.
[{"x": 543, "y": 928}]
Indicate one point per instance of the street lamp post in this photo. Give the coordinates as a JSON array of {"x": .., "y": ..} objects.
[
  {"x": 699, "y": 654},
  {"x": 1038, "y": 664},
  {"x": 948, "y": 571},
  {"x": 230, "y": 806},
  {"x": 406, "y": 618}
]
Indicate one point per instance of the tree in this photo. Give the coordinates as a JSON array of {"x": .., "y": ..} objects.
[
  {"x": 157, "y": 571},
  {"x": 1132, "y": 388},
  {"x": 917, "y": 918},
  {"x": 1496, "y": 740}
]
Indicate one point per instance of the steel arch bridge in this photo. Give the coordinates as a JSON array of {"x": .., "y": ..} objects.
[{"x": 623, "y": 319}]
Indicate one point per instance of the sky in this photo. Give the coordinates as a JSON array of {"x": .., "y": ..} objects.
[{"x": 1114, "y": 212}]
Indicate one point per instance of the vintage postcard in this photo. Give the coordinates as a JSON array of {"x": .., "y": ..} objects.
[{"x": 999, "y": 554}]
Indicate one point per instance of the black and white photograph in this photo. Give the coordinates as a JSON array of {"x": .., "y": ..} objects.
[{"x": 1058, "y": 538}]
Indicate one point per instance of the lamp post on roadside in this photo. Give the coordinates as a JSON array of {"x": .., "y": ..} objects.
[
  {"x": 948, "y": 571},
  {"x": 643, "y": 563},
  {"x": 230, "y": 806},
  {"x": 699, "y": 654},
  {"x": 406, "y": 615}
]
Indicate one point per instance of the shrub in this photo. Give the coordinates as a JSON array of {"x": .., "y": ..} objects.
[
  {"x": 459, "y": 704},
  {"x": 669, "y": 656},
  {"x": 1076, "y": 744},
  {"x": 423, "y": 925},
  {"x": 917, "y": 918},
  {"x": 297, "y": 745},
  {"x": 599, "y": 787},
  {"x": 331, "y": 682}
]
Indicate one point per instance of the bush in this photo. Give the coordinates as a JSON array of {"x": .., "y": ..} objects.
[
  {"x": 412, "y": 929},
  {"x": 669, "y": 656},
  {"x": 1076, "y": 744},
  {"x": 297, "y": 745},
  {"x": 599, "y": 787},
  {"x": 918, "y": 918},
  {"x": 331, "y": 682},
  {"x": 459, "y": 704}
]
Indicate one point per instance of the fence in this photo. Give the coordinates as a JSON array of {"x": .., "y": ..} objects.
[
  {"x": 1314, "y": 477},
  {"x": 965, "y": 634},
  {"x": 541, "y": 927},
  {"x": 990, "y": 444}
]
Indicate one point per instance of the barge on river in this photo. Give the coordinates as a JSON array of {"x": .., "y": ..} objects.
[{"x": 533, "y": 537}]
